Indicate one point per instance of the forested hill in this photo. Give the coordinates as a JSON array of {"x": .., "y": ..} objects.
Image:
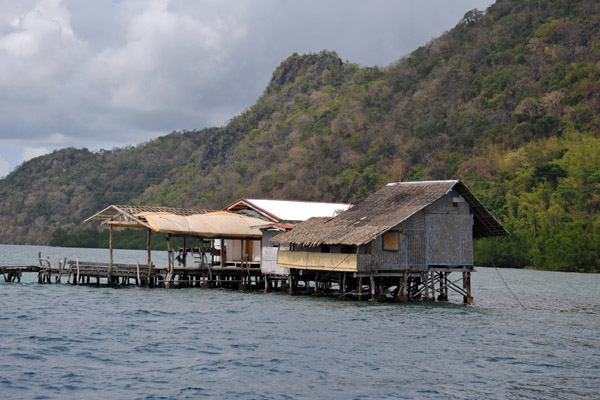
[{"x": 508, "y": 101}]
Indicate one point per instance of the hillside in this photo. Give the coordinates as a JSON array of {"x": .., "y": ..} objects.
[{"x": 508, "y": 101}]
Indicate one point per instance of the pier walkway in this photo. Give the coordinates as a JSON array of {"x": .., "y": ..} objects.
[{"x": 243, "y": 276}]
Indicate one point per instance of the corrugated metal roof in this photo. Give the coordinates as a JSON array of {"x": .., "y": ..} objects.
[
  {"x": 288, "y": 210},
  {"x": 385, "y": 209}
]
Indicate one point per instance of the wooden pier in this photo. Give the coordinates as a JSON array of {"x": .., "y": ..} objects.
[
  {"x": 240, "y": 276},
  {"x": 431, "y": 285}
]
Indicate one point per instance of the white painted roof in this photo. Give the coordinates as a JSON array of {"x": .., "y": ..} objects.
[
  {"x": 288, "y": 210},
  {"x": 421, "y": 182}
]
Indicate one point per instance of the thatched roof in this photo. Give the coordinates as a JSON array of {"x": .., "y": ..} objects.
[
  {"x": 132, "y": 216},
  {"x": 385, "y": 209},
  {"x": 181, "y": 221}
]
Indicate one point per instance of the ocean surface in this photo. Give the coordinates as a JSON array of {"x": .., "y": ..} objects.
[{"x": 86, "y": 342}]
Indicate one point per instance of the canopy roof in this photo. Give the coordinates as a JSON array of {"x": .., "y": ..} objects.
[
  {"x": 133, "y": 216},
  {"x": 385, "y": 209},
  {"x": 287, "y": 210},
  {"x": 219, "y": 224},
  {"x": 181, "y": 221}
]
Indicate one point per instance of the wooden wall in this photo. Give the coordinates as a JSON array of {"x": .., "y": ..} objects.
[{"x": 441, "y": 234}]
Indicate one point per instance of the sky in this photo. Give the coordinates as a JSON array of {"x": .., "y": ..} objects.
[{"x": 106, "y": 74}]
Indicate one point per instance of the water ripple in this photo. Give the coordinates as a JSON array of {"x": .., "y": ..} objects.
[{"x": 64, "y": 341}]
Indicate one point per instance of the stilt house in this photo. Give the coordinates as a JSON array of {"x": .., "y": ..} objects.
[
  {"x": 406, "y": 230},
  {"x": 407, "y": 225}
]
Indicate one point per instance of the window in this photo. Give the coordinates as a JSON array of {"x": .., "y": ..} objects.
[
  {"x": 348, "y": 249},
  {"x": 391, "y": 241},
  {"x": 367, "y": 248}
]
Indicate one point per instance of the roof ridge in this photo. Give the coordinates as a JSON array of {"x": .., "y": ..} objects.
[{"x": 423, "y": 182}]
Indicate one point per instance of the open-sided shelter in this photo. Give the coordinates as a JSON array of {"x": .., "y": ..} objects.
[{"x": 196, "y": 223}]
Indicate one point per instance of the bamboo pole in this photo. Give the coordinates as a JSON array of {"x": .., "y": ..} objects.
[
  {"x": 185, "y": 251},
  {"x": 360, "y": 288},
  {"x": 111, "y": 243},
  {"x": 78, "y": 270},
  {"x": 137, "y": 268},
  {"x": 149, "y": 246},
  {"x": 222, "y": 255}
]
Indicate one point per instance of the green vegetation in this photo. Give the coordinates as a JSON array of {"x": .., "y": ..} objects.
[{"x": 508, "y": 101}]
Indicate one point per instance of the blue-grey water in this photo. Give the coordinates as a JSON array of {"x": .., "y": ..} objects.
[{"x": 64, "y": 341}]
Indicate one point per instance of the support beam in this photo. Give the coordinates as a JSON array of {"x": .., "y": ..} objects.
[
  {"x": 110, "y": 244},
  {"x": 171, "y": 262},
  {"x": 184, "y": 251},
  {"x": 360, "y": 288},
  {"x": 149, "y": 246},
  {"x": 222, "y": 253},
  {"x": 468, "y": 299}
]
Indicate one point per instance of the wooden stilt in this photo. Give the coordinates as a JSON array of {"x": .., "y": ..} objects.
[
  {"x": 184, "y": 251},
  {"x": 110, "y": 243},
  {"x": 77, "y": 260},
  {"x": 171, "y": 262},
  {"x": 468, "y": 298},
  {"x": 360, "y": 288},
  {"x": 373, "y": 294},
  {"x": 149, "y": 246},
  {"x": 222, "y": 253},
  {"x": 137, "y": 269}
]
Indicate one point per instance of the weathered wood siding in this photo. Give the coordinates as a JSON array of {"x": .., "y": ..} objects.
[
  {"x": 441, "y": 234},
  {"x": 450, "y": 239},
  {"x": 449, "y": 231},
  {"x": 411, "y": 248}
]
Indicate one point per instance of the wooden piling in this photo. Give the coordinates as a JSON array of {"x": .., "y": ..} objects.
[
  {"x": 373, "y": 294},
  {"x": 149, "y": 246},
  {"x": 110, "y": 243},
  {"x": 77, "y": 260}
]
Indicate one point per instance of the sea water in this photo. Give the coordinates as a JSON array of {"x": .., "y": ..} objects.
[{"x": 65, "y": 341}]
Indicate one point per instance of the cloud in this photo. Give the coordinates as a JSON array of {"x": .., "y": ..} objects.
[
  {"x": 33, "y": 152},
  {"x": 105, "y": 74},
  {"x": 4, "y": 167},
  {"x": 171, "y": 55},
  {"x": 37, "y": 51}
]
